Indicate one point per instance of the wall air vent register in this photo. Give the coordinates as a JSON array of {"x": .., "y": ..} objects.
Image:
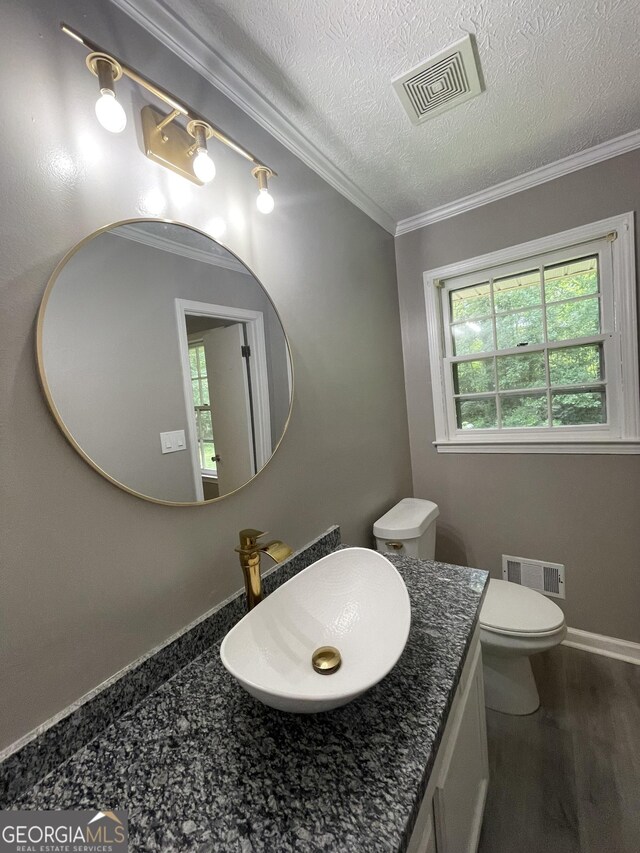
[
  {"x": 547, "y": 578},
  {"x": 441, "y": 83}
]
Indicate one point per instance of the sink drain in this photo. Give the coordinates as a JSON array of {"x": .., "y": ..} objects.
[{"x": 326, "y": 660}]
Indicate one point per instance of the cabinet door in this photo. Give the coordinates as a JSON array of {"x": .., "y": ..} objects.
[
  {"x": 461, "y": 787},
  {"x": 423, "y": 839}
]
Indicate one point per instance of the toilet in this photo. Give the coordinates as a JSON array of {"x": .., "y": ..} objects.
[{"x": 515, "y": 621}]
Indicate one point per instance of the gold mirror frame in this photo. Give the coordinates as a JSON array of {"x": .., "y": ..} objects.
[{"x": 47, "y": 391}]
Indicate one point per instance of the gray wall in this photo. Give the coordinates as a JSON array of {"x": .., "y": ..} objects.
[
  {"x": 579, "y": 510},
  {"x": 112, "y": 357},
  {"x": 91, "y": 576}
]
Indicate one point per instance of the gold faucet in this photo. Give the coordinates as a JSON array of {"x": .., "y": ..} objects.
[{"x": 250, "y": 552}]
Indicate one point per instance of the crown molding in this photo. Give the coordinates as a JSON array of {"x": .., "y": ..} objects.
[
  {"x": 216, "y": 66},
  {"x": 580, "y": 160},
  {"x": 217, "y": 256}
]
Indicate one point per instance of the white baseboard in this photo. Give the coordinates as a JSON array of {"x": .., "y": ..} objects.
[{"x": 598, "y": 644}]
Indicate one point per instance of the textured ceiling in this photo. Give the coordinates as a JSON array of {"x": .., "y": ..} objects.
[{"x": 560, "y": 77}]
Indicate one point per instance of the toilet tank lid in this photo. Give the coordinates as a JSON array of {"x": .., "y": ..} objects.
[{"x": 408, "y": 519}]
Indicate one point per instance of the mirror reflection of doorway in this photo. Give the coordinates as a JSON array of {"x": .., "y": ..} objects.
[
  {"x": 224, "y": 365},
  {"x": 221, "y": 385}
]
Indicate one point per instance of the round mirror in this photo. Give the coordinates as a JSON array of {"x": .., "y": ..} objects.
[{"x": 164, "y": 362}]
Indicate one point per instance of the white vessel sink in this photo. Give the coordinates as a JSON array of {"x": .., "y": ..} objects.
[{"x": 353, "y": 600}]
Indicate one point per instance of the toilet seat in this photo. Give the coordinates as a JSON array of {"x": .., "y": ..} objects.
[
  {"x": 517, "y": 611},
  {"x": 522, "y": 635}
]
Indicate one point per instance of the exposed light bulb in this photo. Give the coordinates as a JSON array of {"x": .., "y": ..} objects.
[
  {"x": 264, "y": 201},
  {"x": 203, "y": 166},
  {"x": 110, "y": 113}
]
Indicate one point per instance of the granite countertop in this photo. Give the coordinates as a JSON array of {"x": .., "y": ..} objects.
[{"x": 201, "y": 765}]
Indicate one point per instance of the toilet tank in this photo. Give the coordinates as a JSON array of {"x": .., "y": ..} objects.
[{"x": 408, "y": 528}]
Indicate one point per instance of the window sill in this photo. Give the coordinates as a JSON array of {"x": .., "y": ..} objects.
[{"x": 585, "y": 447}]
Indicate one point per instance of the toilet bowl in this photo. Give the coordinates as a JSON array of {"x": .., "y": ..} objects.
[{"x": 515, "y": 621}]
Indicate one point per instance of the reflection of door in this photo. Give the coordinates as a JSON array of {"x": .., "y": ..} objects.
[
  {"x": 197, "y": 319},
  {"x": 230, "y": 405}
]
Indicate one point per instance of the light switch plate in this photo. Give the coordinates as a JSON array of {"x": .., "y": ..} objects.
[{"x": 170, "y": 442}]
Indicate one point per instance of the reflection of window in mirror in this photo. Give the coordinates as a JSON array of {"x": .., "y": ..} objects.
[{"x": 202, "y": 409}]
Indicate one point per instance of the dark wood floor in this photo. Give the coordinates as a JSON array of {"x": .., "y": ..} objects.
[{"x": 567, "y": 778}]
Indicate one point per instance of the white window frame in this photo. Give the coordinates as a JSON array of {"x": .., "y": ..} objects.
[{"x": 616, "y": 250}]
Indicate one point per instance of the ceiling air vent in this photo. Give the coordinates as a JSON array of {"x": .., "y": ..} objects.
[{"x": 441, "y": 83}]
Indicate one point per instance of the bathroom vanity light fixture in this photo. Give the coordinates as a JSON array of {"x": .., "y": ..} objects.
[{"x": 181, "y": 149}]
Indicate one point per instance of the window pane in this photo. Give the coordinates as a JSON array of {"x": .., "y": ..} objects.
[
  {"x": 472, "y": 336},
  {"x": 474, "y": 377},
  {"x": 477, "y": 414},
  {"x": 520, "y": 329},
  {"x": 565, "y": 281},
  {"x": 193, "y": 361},
  {"x": 524, "y": 410},
  {"x": 470, "y": 302},
  {"x": 202, "y": 364},
  {"x": 521, "y": 371},
  {"x": 206, "y": 430},
  {"x": 575, "y": 365},
  {"x": 581, "y": 407},
  {"x": 197, "y": 399},
  {"x": 205, "y": 392},
  {"x": 518, "y": 291},
  {"x": 573, "y": 319},
  {"x": 208, "y": 451}
]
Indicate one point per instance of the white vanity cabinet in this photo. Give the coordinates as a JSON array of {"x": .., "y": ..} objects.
[{"x": 450, "y": 816}]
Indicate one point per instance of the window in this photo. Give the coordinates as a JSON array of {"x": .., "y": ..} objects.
[
  {"x": 202, "y": 407},
  {"x": 535, "y": 348}
]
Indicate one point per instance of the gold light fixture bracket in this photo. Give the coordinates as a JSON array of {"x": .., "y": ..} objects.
[
  {"x": 98, "y": 63},
  {"x": 262, "y": 174},
  {"x": 167, "y": 143},
  {"x": 200, "y": 131}
]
